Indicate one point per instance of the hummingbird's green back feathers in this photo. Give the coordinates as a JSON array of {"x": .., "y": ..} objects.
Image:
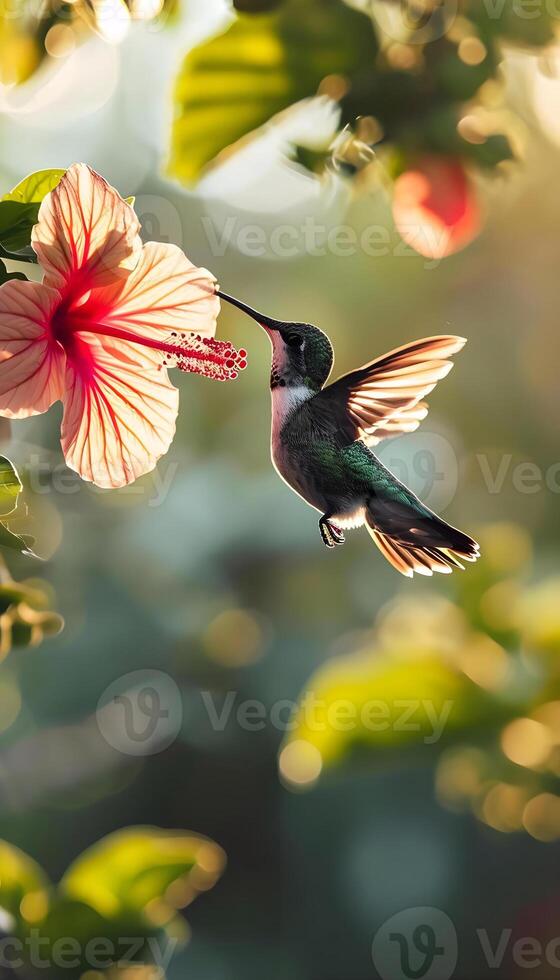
[
  {"x": 411, "y": 536},
  {"x": 406, "y": 531}
]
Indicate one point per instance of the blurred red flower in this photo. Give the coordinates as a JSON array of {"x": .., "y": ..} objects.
[{"x": 435, "y": 207}]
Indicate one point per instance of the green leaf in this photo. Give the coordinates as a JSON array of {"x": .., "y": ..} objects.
[
  {"x": 19, "y": 210},
  {"x": 23, "y": 880},
  {"x": 10, "y": 487},
  {"x": 16, "y": 221},
  {"x": 16, "y": 542},
  {"x": 234, "y": 83},
  {"x": 97, "y": 938},
  {"x": 33, "y": 188},
  {"x": 69, "y": 918},
  {"x": 127, "y": 870}
]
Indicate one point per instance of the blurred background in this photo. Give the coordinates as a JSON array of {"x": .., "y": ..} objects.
[{"x": 202, "y": 613}]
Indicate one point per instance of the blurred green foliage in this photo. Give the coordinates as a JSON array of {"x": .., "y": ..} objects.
[
  {"x": 25, "y": 616},
  {"x": 409, "y": 73},
  {"x": 236, "y": 82},
  {"x": 485, "y": 667},
  {"x": 34, "y": 32},
  {"x": 10, "y": 489},
  {"x": 123, "y": 892}
]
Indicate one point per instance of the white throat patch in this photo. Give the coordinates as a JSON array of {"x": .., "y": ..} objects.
[{"x": 284, "y": 401}]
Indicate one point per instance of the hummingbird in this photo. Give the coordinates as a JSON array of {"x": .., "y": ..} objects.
[{"x": 323, "y": 436}]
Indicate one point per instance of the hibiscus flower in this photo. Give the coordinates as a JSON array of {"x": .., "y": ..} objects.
[{"x": 110, "y": 316}]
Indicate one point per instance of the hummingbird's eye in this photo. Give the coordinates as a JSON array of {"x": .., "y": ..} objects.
[{"x": 294, "y": 341}]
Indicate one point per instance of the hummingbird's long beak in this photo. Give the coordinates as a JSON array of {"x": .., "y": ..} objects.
[{"x": 265, "y": 321}]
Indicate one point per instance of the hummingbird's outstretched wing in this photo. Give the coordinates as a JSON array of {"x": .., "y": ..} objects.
[{"x": 384, "y": 398}]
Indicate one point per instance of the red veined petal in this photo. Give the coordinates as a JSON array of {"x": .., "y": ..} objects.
[
  {"x": 119, "y": 418},
  {"x": 86, "y": 234},
  {"x": 164, "y": 294},
  {"x": 31, "y": 362}
]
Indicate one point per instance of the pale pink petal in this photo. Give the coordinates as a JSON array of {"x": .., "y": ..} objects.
[
  {"x": 118, "y": 420},
  {"x": 165, "y": 293},
  {"x": 86, "y": 234},
  {"x": 31, "y": 362}
]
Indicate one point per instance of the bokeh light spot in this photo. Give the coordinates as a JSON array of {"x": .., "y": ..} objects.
[
  {"x": 541, "y": 817},
  {"x": 472, "y": 51},
  {"x": 33, "y": 906},
  {"x": 300, "y": 764},
  {"x": 60, "y": 41},
  {"x": 485, "y": 662},
  {"x": 234, "y": 638},
  {"x": 527, "y": 742},
  {"x": 503, "y": 807},
  {"x": 458, "y": 776}
]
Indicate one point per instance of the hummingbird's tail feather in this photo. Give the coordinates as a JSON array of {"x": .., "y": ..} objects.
[{"x": 418, "y": 543}]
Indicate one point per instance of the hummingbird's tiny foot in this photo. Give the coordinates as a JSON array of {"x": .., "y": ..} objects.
[
  {"x": 326, "y": 533},
  {"x": 330, "y": 534},
  {"x": 336, "y": 533}
]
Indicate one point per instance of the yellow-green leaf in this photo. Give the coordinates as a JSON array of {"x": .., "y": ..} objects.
[
  {"x": 16, "y": 221},
  {"x": 33, "y": 188},
  {"x": 385, "y": 701},
  {"x": 10, "y": 487},
  {"x": 24, "y": 892},
  {"x": 19, "y": 210},
  {"x": 21, "y": 50},
  {"x": 127, "y": 870},
  {"x": 263, "y": 63}
]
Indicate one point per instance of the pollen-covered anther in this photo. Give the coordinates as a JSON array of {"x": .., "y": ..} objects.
[{"x": 217, "y": 359}]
